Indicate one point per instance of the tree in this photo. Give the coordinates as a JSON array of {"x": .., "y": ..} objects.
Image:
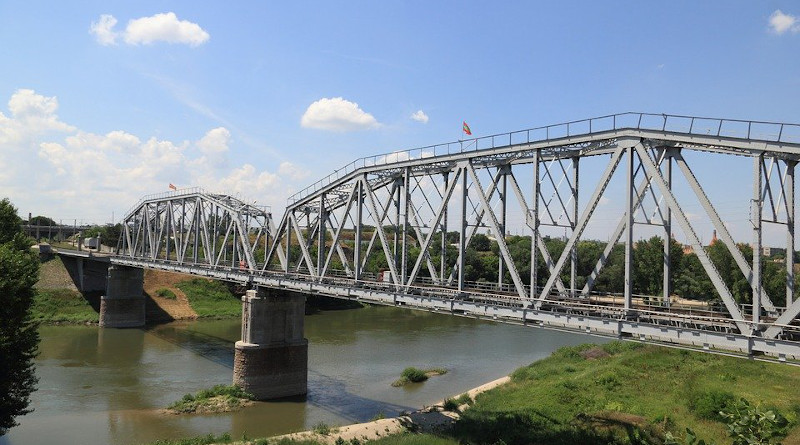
[{"x": 19, "y": 270}]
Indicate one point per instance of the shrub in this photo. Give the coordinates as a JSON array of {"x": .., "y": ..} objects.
[
  {"x": 414, "y": 374},
  {"x": 709, "y": 404},
  {"x": 750, "y": 424},
  {"x": 322, "y": 429},
  {"x": 450, "y": 404},
  {"x": 166, "y": 293}
]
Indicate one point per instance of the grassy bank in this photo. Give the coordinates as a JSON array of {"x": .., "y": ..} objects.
[
  {"x": 62, "y": 306},
  {"x": 210, "y": 299},
  {"x": 627, "y": 393}
]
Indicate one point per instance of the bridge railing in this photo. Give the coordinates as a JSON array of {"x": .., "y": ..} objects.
[{"x": 703, "y": 126}]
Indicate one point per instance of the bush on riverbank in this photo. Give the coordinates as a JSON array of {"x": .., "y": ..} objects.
[
  {"x": 219, "y": 399},
  {"x": 62, "y": 306},
  {"x": 210, "y": 298}
]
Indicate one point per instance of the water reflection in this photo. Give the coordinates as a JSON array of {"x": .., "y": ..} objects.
[{"x": 108, "y": 386}]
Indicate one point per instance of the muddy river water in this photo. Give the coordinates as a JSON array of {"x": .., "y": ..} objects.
[{"x": 106, "y": 386}]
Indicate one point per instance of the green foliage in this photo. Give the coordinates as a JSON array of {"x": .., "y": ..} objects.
[
  {"x": 414, "y": 375},
  {"x": 210, "y": 298},
  {"x": 42, "y": 221},
  {"x": 464, "y": 399},
  {"x": 322, "y": 429},
  {"x": 750, "y": 424},
  {"x": 690, "y": 439},
  {"x": 231, "y": 396},
  {"x": 19, "y": 271},
  {"x": 61, "y": 306},
  {"x": 109, "y": 234},
  {"x": 710, "y": 404},
  {"x": 378, "y": 416},
  {"x": 450, "y": 404},
  {"x": 166, "y": 293}
]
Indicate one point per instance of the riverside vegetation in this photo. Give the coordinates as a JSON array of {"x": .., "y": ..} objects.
[
  {"x": 415, "y": 375},
  {"x": 219, "y": 399}
]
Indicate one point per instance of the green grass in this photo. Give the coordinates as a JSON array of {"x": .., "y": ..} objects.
[
  {"x": 217, "y": 399},
  {"x": 62, "y": 306},
  {"x": 166, "y": 293},
  {"x": 210, "y": 299},
  {"x": 628, "y": 393}
]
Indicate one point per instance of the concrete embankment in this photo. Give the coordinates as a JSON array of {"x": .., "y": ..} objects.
[{"x": 430, "y": 419}]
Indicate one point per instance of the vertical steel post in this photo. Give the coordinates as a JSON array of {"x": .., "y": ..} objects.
[
  {"x": 756, "y": 217},
  {"x": 789, "y": 194},
  {"x": 288, "y": 241},
  {"x": 667, "y": 236},
  {"x": 321, "y": 232},
  {"x": 629, "y": 232},
  {"x": 357, "y": 241},
  {"x": 535, "y": 224},
  {"x": 197, "y": 216},
  {"x": 462, "y": 240},
  {"x": 502, "y": 234},
  {"x": 573, "y": 222},
  {"x": 404, "y": 246},
  {"x": 443, "y": 252},
  {"x": 396, "y": 221}
]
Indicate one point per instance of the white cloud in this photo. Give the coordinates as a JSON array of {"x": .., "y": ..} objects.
[
  {"x": 215, "y": 141},
  {"x": 779, "y": 22},
  {"x": 103, "y": 30},
  {"x": 337, "y": 114},
  {"x": 163, "y": 27},
  {"x": 420, "y": 116},
  {"x": 292, "y": 171},
  {"x": 69, "y": 173}
]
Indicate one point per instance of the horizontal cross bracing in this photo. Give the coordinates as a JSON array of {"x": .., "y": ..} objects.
[{"x": 384, "y": 224}]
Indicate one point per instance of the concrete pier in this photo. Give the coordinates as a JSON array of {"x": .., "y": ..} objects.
[
  {"x": 123, "y": 304},
  {"x": 271, "y": 359}
]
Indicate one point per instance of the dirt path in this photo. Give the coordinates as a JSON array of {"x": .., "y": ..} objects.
[{"x": 178, "y": 308}]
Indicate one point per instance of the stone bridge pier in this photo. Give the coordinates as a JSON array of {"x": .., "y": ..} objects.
[
  {"x": 271, "y": 359},
  {"x": 123, "y": 304}
]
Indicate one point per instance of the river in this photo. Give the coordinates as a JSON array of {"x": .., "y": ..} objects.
[{"x": 106, "y": 386}]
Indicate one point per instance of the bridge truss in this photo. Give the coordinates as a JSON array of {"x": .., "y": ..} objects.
[{"x": 378, "y": 229}]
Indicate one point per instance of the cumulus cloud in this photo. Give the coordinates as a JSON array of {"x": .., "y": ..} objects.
[
  {"x": 65, "y": 172},
  {"x": 780, "y": 23},
  {"x": 292, "y": 171},
  {"x": 163, "y": 27},
  {"x": 420, "y": 116},
  {"x": 103, "y": 30},
  {"x": 215, "y": 141},
  {"x": 337, "y": 114}
]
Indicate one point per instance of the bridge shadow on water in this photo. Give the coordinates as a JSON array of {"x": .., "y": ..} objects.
[{"x": 326, "y": 392}]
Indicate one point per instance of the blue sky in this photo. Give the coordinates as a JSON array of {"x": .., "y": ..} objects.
[{"x": 211, "y": 94}]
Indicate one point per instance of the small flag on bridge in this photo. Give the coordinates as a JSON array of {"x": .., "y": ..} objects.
[
  {"x": 172, "y": 186},
  {"x": 466, "y": 129}
]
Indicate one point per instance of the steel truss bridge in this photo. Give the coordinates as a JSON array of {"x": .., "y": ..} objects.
[{"x": 394, "y": 211}]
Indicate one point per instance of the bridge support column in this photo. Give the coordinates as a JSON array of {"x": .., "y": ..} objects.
[
  {"x": 123, "y": 304},
  {"x": 271, "y": 359}
]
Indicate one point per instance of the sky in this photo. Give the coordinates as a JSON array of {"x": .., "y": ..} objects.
[{"x": 104, "y": 102}]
